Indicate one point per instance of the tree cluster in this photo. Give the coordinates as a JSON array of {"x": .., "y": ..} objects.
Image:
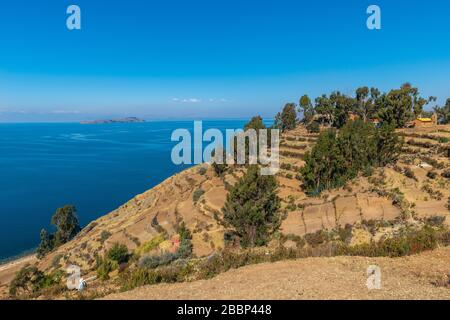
[
  {"x": 339, "y": 156},
  {"x": 396, "y": 107},
  {"x": 67, "y": 226}
]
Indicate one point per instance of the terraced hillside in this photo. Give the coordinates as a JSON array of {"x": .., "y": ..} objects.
[{"x": 414, "y": 189}]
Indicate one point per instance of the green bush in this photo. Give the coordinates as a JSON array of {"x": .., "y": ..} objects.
[
  {"x": 431, "y": 174},
  {"x": 55, "y": 261},
  {"x": 118, "y": 253},
  {"x": 408, "y": 243},
  {"x": 202, "y": 171},
  {"x": 197, "y": 194},
  {"x": 313, "y": 127},
  {"x": 150, "y": 245},
  {"x": 105, "y": 235},
  {"x": 104, "y": 267},
  {"x": 410, "y": 174},
  {"x": 31, "y": 280},
  {"x": 153, "y": 261},
  {"x": 443, "y": 139}
]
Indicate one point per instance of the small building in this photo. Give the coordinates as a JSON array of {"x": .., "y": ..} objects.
[{"x": 421, "y": 122}]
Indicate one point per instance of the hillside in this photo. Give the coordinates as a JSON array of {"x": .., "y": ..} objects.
[
  {"x": 360, "y": 204},
  {"x": 415, "y": 277}
]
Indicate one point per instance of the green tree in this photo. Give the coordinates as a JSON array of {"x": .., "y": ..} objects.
[
  {"x": 307, "y": 109},
  {"x": 401, "y": 105},
  {"x": 67, "y": 225},
  {"x": 287, "y": 119},
  {"x": 325, "y": 109},
  {"x": 366, "y": 102},
  {"x": 339, "y": 156},
  {"x": 342, "y": 105},
  {"x": 323, "y": 167},
  {"x": 443, "y": 113},
  {"x": 357, "y": 147},
  {"x": 255, "y": 123},
  {"x": 46, "y": 245},
  {"x": 389, "y": 145},
  {"x": 252, "y": 207}
]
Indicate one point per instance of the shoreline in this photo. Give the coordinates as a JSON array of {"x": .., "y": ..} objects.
[
  {"x": 9, "y": 269},
  {"x": 17, "y": 257},
  {"x": 12, "y": 263}
]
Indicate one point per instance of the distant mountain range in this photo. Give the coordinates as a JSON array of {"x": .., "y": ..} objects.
[{"x": 120, "y": 120}]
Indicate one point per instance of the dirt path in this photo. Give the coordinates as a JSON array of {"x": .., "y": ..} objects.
[{"x": 315, "y": 278}]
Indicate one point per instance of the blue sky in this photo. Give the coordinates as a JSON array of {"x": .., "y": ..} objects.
[{"x": 210, "y": 58}]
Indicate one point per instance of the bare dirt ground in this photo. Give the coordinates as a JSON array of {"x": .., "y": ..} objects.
[{"x": 315, "y": 278}]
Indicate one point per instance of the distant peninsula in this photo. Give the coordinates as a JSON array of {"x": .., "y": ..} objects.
[{"x": 120, "y": 120}]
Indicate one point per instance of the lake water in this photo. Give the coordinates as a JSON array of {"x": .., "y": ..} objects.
[{"x": 97, "y": 168}]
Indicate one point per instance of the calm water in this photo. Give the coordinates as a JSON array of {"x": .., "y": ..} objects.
[{"x": 95, "y": 167}]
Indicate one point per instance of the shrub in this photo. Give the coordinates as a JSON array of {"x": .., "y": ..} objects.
[
  {"x": 197, "y": 194},
  {"x": 408, "y": 243},
  {"x": 118, "y": 253},
  {"x": 185, "y": 249},
  {"x": 31, "y": 280},
  {"x": 202, "y": 170},
  {"x": 313, "y": 127},
  {"x": 153, "y": 261},
  {"x": 446, "y": 174},
  {"x": 435, "y": 221},
  {"x": 317, "y": 238},
  {"x": 105, "y": 235},
  {"x": 150, "y": 245},
  {"x": 55, "y": 261},
  {"x": 431, "y": 174},
  {"x": 410, "y": 174},
  {"x": 104, "y": 267},
  {"x": 141, "y": 277}
]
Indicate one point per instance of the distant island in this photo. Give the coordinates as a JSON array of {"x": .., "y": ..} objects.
[{"x": 120, "y": 120}]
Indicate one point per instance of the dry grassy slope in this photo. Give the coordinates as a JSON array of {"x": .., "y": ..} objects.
[
  {"x": 172, "y": 201},
  {"x": 412, "y": 277}
]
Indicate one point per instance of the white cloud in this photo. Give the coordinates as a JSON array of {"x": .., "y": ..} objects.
[
  {"x": 187, "y": 100},
  {"x": 65, "y": 112},
  {"x": 198, "y": 100}
]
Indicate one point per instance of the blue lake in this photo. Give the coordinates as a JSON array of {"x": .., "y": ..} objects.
[{"x": 94, "y": 167}]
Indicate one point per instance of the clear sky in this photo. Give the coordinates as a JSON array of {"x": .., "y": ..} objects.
[{"x": 210, "y": 58}]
